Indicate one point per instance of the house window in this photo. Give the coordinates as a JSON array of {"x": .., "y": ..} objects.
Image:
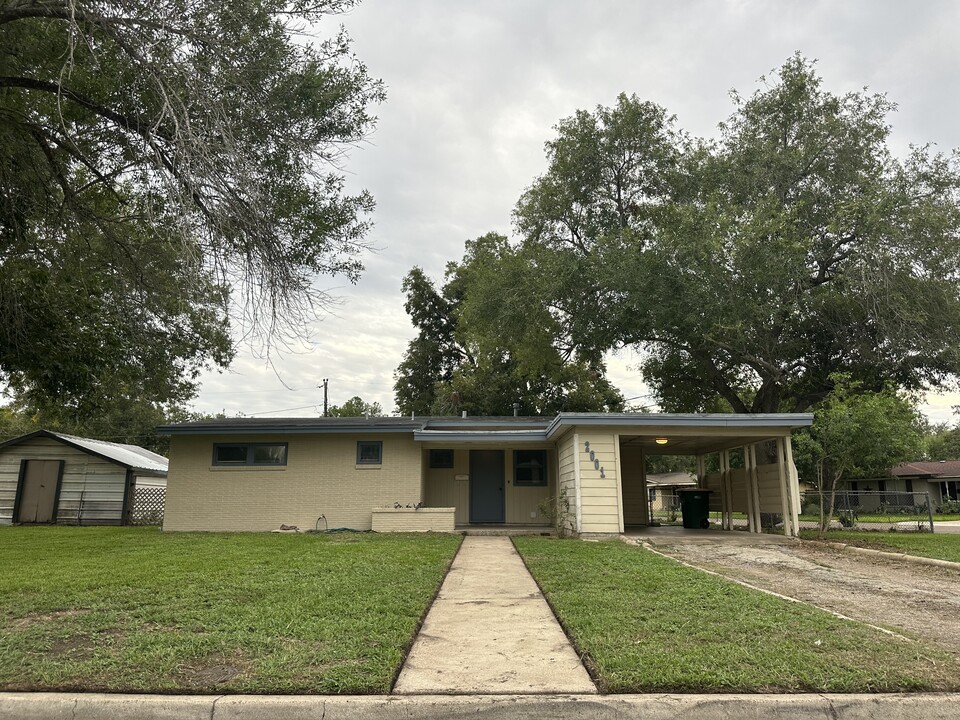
[
  {"x": 441, "y": 458},
  {"x": 652, "y": 494},
  {"x": 369, "y": 452},
  {"x": 530, "y": 468},
  {"x": 249, "y": 454}
]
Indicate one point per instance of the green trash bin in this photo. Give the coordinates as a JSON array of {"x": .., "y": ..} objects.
[{"x": 695, "y": 507}]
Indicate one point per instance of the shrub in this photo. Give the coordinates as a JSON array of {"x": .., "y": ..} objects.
[{"x": 949, "y": 507}]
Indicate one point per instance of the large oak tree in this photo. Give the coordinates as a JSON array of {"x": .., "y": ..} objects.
[
  {"x": 747, "y": 270},
  {"x": 168, "y": 169}
]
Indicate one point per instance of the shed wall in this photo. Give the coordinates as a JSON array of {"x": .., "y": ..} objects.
[{"x": 92, "y": 491}]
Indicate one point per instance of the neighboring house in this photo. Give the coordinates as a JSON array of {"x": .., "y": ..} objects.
[
  {"x": 258, "y": 474},
  {"x": 661, "y": 484},
  {"x": 908, "y": 484},
  {"x": 48, "y": 477},
  {"x": 939, "y": 478}
]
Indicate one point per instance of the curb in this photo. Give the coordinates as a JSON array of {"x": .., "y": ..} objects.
[
  {"x": 916, "y": 559},
  {"x": 44, "y": 706}
]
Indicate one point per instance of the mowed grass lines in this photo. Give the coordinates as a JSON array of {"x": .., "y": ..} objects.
[
  {"x": 131, "y": 609},
  {"x": 648, "y": 624},
  {"x": 940, "y": 546}
]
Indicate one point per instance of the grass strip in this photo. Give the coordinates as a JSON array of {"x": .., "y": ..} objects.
[
  {"x": 647, "y": 624},
  {"x": 136, "y": 610},
  {"x": 931, "y": 545}
]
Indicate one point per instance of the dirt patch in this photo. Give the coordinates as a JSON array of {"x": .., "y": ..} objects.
[
  {"x": 917, "y": 600},
  {"x": 34, "y": 618},
  {"x": 81, "y": 646}
]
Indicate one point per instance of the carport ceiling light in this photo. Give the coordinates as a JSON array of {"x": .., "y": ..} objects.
[{"x": 661, "y": 441}]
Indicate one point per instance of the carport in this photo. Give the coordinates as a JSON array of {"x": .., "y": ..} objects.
[{"x": 602, "y": 465}]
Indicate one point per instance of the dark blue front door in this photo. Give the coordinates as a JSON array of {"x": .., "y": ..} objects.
[{"x": 486, "y": 486}]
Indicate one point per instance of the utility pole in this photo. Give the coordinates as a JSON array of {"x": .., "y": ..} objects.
[{"x": 326, "y": 382}]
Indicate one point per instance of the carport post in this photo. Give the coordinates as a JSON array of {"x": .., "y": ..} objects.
[
  {"x": 753, "y": 479},
  {"x": 748, "y": 462},
  {"x": 725, "y": 518},
  {"x": 794, "y": 481},
  {"x": 700, "y": 472},
  {"x": 786, "y": 496}
]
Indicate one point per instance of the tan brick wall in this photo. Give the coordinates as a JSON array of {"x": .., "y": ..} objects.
[
  {"x": 321, "y": 477},
  {"x": 422, "y": 520}
]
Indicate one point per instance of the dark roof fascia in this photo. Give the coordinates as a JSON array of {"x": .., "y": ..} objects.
[
  {"x": 75, "y": 446},
  {"x": 284, "y": 429},
  {"x": 480, "y": 436},
  {"x": 692, "y": 420},
  {"x": 484, "y": 423},
  {"x": 28, "y": 436}
]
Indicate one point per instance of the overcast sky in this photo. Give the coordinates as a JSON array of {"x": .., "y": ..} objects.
[{"x": 474, "y": 89}]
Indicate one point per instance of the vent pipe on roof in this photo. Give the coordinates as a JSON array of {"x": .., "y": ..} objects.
[
  {"x": 516, "y": 409},
  {"x": 464, "y": 415}
]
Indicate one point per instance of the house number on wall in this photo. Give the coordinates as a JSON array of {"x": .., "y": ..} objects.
[{"x": 593, "y": 459}]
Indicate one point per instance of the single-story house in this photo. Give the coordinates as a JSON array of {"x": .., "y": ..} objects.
[
  {"x": 667, "y": 484},
  {"x": 50, "y": 477},
  {"x": 910, "y": 484},
  {"x": 584, "y": 470},
  {"x": 940, "y": 479}
]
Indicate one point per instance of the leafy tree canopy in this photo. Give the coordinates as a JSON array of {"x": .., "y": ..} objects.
[
  {"x": 156, "y": 160},
  {"x": 750, "y": 269},
  {"x": 469, "y": 356},
  {"x": 943, "y": 442},
  {"x": 355, "y": 407},
  {"x": 857, "y": 433}
]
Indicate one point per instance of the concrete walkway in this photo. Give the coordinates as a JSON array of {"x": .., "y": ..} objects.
[{"x": 491, "y": 632}]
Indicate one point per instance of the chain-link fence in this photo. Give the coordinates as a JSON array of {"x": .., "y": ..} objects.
[
  {"x": 664, "y": 508},
  {"x": 867, "y": 510},
  {"x": 148, "y": 506},
  {"x": 863, "y": 510}
]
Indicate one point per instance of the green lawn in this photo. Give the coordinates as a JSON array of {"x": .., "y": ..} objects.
[
  {"x": 942, "y": 546},
  {"x": 648, "y": 624},
  {"x": 132, "y": 609}
]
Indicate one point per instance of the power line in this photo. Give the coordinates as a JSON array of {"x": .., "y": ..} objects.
[{"x": 267, "y": 412}]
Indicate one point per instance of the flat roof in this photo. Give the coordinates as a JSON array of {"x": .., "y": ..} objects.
[{"x": 487, "y": 429}]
